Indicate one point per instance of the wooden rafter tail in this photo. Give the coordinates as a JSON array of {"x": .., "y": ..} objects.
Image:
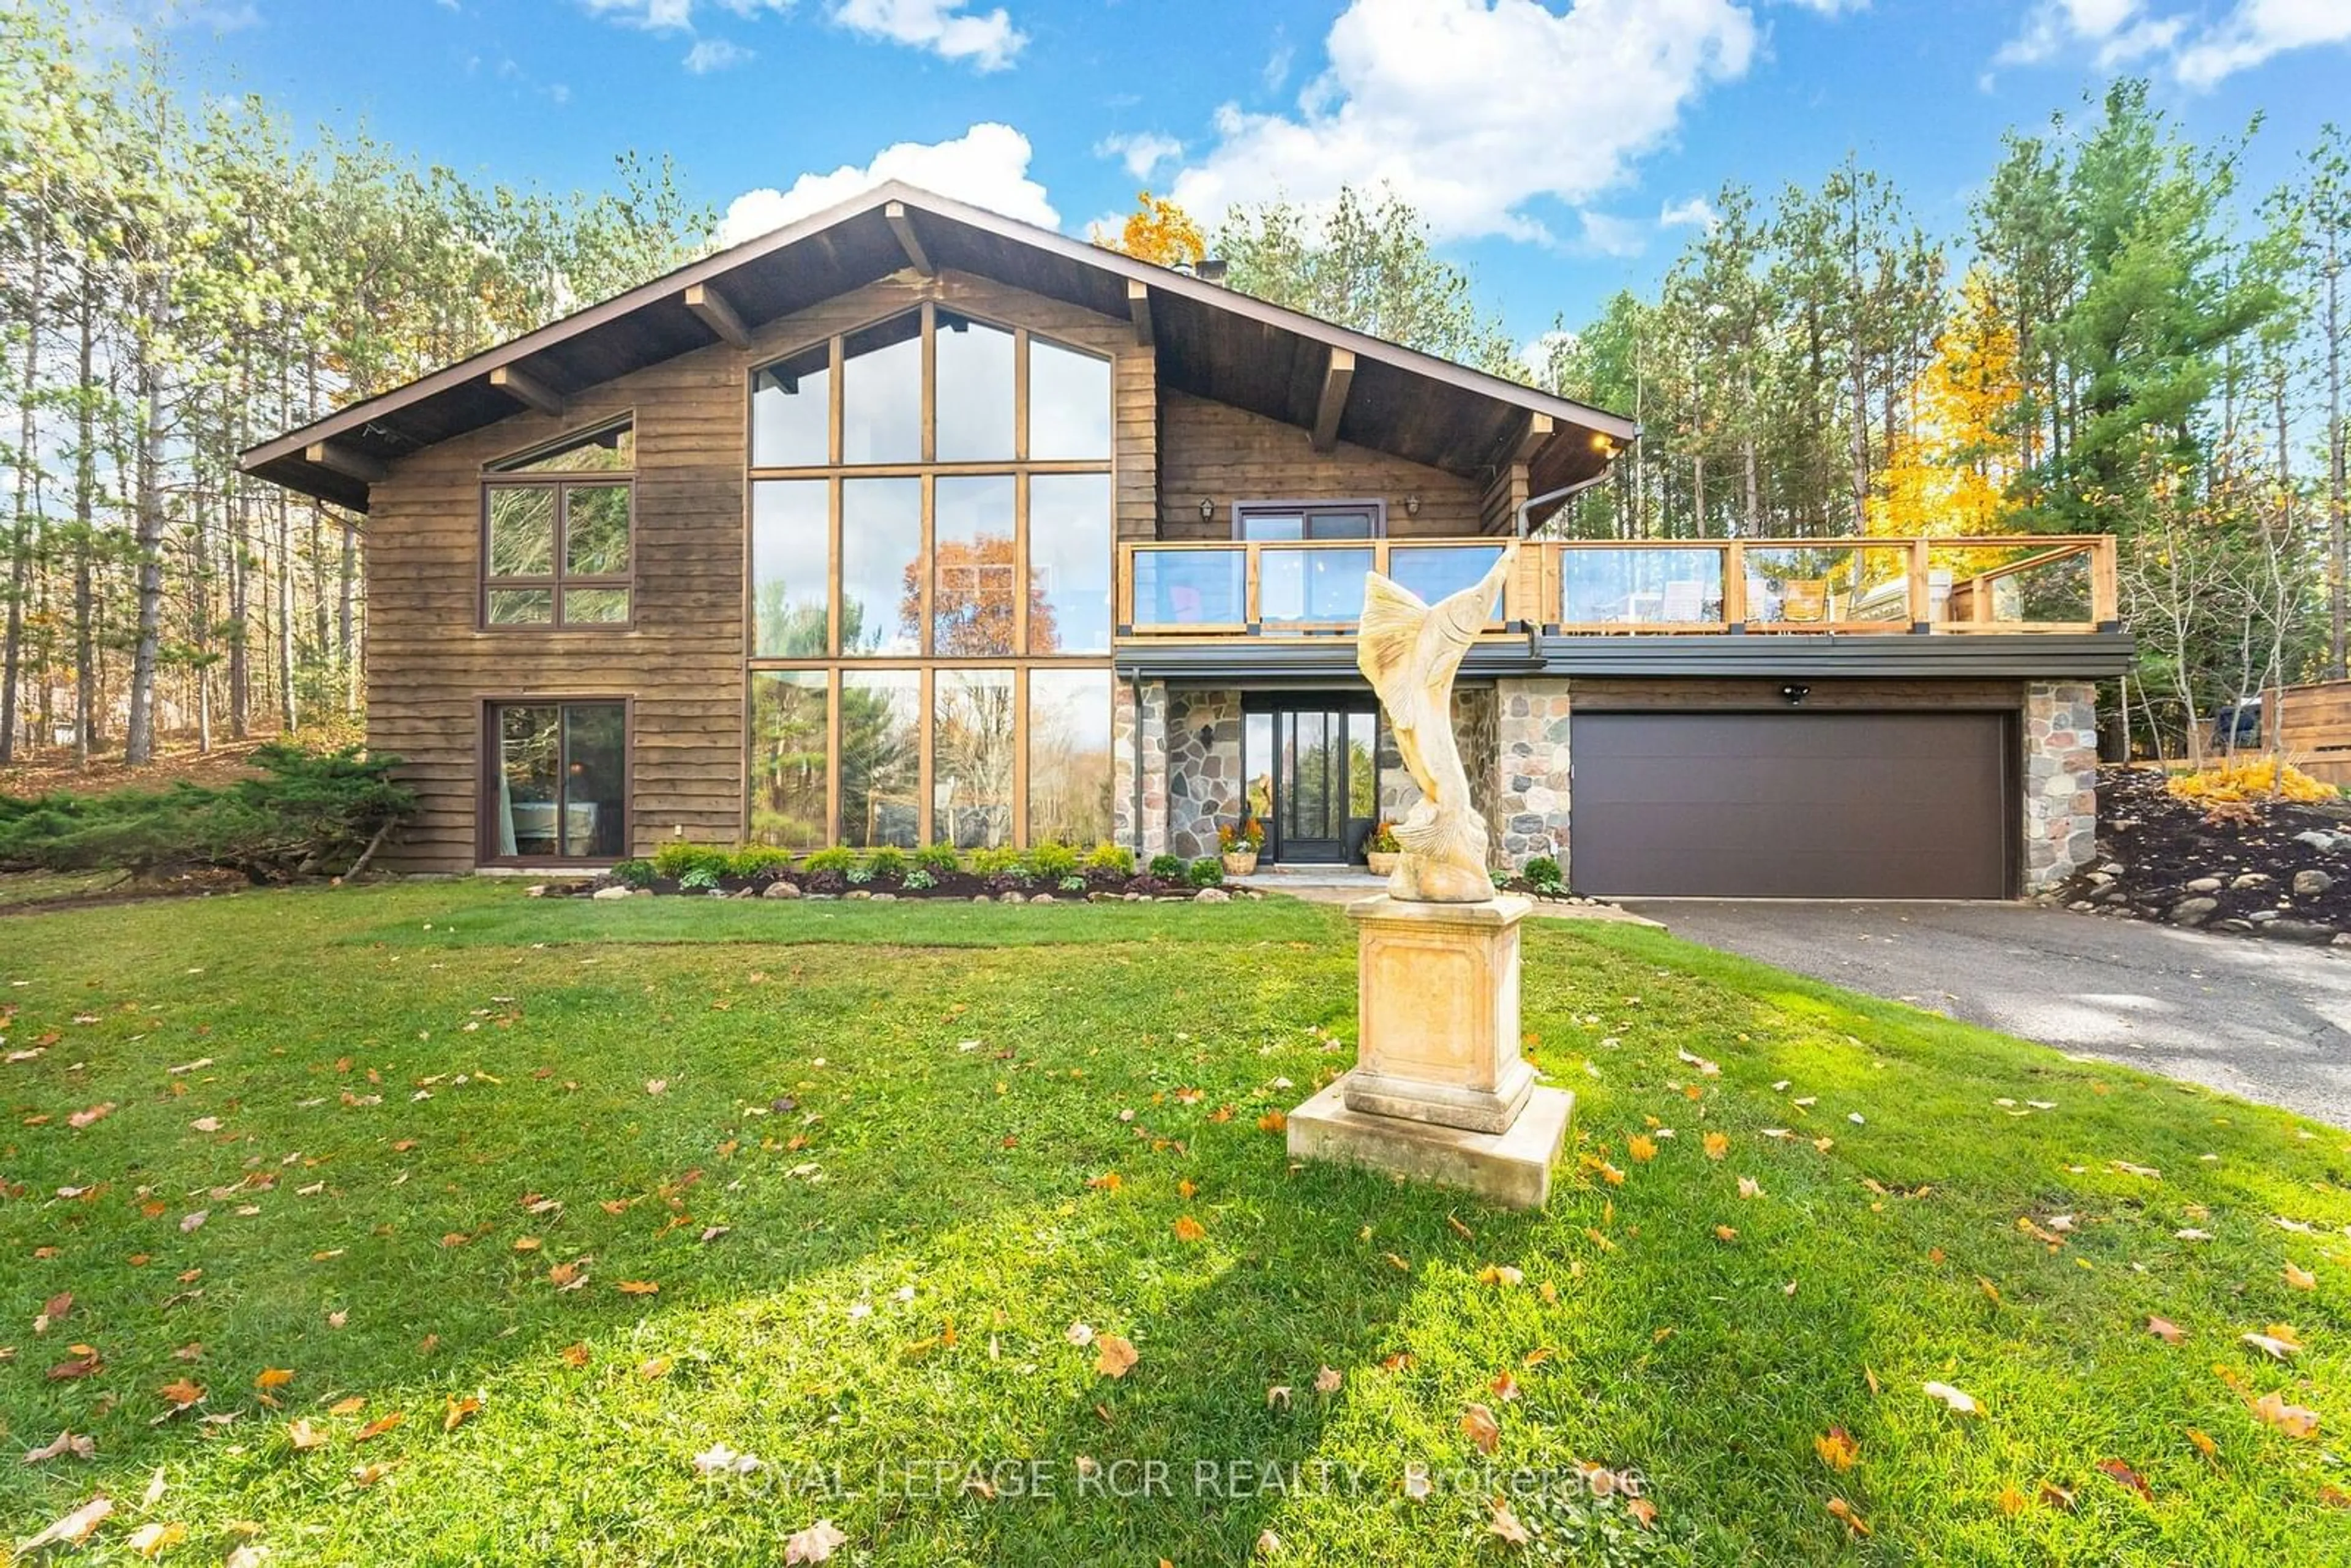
[
  {"x": 527, "y": 389},
  {"x": 716, "y": 312},
  {"x": 1138, "y": 306},
  {"x": 337, "y": 458},
  {"x": 1338, "y": 376},
  {"x": 902, "y": 224}
]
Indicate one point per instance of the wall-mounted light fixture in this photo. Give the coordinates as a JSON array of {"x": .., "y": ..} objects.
[
  {"x": 1794, "y": 694},
  {"x": 1412, "y": 506},
  {"x": 1207, "y": 510}
]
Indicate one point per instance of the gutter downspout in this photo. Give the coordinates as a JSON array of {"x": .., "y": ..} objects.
[{"x": 1134, "y": 689}]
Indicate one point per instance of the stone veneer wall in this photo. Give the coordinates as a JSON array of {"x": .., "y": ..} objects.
[
  {"x": 1529, "y": 816},
  {"x": 1204, "y": 767},
  {"x": 2061, "y": 780},
  {"x": 1139, "y": 738},
  {"x": 1476, "y": 726}
]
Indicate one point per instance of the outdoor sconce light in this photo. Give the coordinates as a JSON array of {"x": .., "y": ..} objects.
[
  {"x": 1208, "y": 737},
  {"x": 1794, "y": 694},
  {"x": 1412, "y": 506},
  {"x": 1207, "y": 510}
]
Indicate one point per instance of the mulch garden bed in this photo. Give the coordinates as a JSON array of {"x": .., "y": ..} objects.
[
  {"x": 2286, "y": 874},
  {"x": 963, "y": 886}
]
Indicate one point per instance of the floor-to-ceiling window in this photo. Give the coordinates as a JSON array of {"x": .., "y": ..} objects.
[{"x": 930, "y": 526}]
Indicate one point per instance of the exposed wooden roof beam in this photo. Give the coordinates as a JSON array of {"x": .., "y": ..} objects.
[
  {"x": 902, "y": 225},
  {"x": 1338, "y": 375},
  {"x": 527, "y": 389},
  {"x": 1536, "y": 431},
  {"x": 336, "y": 457},
  {"x": 712, "y": 309},
  {"x": 1138, "y": 305}
]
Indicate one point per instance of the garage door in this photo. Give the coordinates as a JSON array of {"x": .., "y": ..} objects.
[{"x": 1792, "y": 805}]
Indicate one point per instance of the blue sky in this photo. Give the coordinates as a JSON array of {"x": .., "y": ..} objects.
[{"x": 1559, "y": 147}]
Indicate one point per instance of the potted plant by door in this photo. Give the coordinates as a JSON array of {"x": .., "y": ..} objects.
[
  {"x": 1240, "y": 846},
  {"x": 1381, "y": 850}
]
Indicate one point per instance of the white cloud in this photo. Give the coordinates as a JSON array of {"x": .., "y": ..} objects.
[
  {"x": 1696, "y": 213},
  {"x": 989, "y": 41},
  {"x": 1608, "y": 235},
  {"x": 1473, "y": 108},
  {"x": 661, "y": 16},
  {"x": 2117, "y": 32},
  {"x": 2256, "y": 30},
  {"x": 1277, "y": 65},
  {"x": 1140, "y": 152},
  {"x": 1829, "y": 7},
  {"x": 715, "y": 55},
  {"x": 986, "y": 166}
]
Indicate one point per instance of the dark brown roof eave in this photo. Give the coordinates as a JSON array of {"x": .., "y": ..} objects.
[{"x": 460, "y": 396}]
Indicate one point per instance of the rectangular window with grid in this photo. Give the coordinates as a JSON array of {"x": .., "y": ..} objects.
[{"x": 557, "y": 527}]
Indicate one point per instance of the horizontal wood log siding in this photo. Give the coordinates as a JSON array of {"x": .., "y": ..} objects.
[
  {"x": 429, "y": 669},
  {"x": 1225, "y": 455}
]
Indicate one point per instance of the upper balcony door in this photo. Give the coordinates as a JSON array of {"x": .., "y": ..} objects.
[{"x": 1310, "y": 587}]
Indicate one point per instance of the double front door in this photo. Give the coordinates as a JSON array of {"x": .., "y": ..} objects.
[{"x": 1312, "y": 764}]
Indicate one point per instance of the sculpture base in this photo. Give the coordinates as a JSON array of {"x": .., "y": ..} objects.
[
  {"x": 1512, "y": 1168},
  {"x": 1437, "y": 1013}
]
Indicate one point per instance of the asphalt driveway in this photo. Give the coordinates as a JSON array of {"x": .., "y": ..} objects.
[{"x": 2267, "y": 1020}]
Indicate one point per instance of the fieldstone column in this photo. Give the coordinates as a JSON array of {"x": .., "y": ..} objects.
[
  {"x": 1530, "y": 721},
  {"x": 2061, "y": 780},
  {"x": 1139, "y": 747},
  {"x": 1204, "y": 768}
]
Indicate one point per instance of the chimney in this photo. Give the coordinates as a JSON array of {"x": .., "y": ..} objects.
[{"x": 1211, "y": 269}]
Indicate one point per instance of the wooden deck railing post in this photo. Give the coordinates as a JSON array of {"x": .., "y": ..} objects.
[
  {"x": 2106, "y": 594},
  {"x": 1734, "y": 586},
  {"x": 1922, "y": 598}
]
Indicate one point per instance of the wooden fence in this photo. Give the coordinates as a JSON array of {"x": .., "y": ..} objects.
[{"x": 2313, "y": 724}]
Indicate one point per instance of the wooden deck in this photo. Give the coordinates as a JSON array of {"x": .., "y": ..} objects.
[{"x": 1175, "y": 591}]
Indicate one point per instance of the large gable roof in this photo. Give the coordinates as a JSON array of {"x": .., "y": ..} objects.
[{"x": 1210, "y": 340}]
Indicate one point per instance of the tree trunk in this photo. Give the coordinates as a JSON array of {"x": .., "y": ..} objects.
[
  {"x": 2338, "y": 504},
  {"x": 288, "y": 710},
  {"x": 20, "y": 530},
  {"x": 138, "y": 738},
  {"x": 346, "y": 632},
  {"x": 85, "y": 519}
]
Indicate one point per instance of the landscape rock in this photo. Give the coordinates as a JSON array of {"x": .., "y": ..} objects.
[
  {"x": 2310, "y": 884},
  {"x": 2323, "y": 843},
  {"x": 2205, "y": 884},
  {"x": 857, "y": 895},
  {"x": 1040, "y": 898},
  {"x": 885, "y": 898},
  {"x": 536, "y": 890},
  {"x": 615, "y": 892},
  {"x": 2309, "y": 931},
  {"x": 2192, "y": 911},
  {"x": 781, "y": 890},
  {"x": 2250, "y": 879},
  {"x": 1212, "y": 895}
]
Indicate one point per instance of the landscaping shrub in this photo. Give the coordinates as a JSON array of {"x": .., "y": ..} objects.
[
  {"x": 1206, "y": 871},
  {"x": 939, "y": 860},
  {"x": 699, "y": 878},
  {"x": 676, "y": 858},
  {"x": 310, "y": 813},
  {"x": 2245, "y": 779},
  {"x": 996, "y": 860},
  {"x": 918, "y": 880},
  {"x": 1116, "y": 860},
  {"x": 1053, "y": 861},
  {"x": 1072, "y": 884},
  {"x": 1167, "y": 868},
  {"x": 1542, "y": 871},
  {"x": 837, "y": 863},
  {"x": 886, "y": 861},
  {"x": 752, "y": 860}
]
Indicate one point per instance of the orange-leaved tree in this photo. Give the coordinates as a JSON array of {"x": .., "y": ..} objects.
[{"x": 1158, "y": 231}]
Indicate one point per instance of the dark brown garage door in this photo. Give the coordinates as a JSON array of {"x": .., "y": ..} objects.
[{"x": 1792, "y": 805}]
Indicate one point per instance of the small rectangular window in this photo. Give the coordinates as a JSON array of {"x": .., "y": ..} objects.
[{"x": 558, "y": 532}]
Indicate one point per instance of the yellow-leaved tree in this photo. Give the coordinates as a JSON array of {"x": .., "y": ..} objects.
[
  {"x": 1950, "y": 472},
  {"x": 1158, "y": 230}
]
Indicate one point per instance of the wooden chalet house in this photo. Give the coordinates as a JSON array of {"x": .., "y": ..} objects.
[{"x": 908, "y": 523}]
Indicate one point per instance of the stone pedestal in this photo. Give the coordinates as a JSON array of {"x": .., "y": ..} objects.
[{"x": 1439, "y": 1090}]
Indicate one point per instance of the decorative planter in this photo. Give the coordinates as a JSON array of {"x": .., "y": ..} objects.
[
  {"x": 1382, "y": 864},
  {"x": 1240, "y": 862}
]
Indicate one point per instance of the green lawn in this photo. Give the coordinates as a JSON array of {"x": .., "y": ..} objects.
[{"x": 870, "y": 1190}]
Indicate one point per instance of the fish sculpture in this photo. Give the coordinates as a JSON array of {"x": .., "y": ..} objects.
[{"x": 1410, "y": 651}]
